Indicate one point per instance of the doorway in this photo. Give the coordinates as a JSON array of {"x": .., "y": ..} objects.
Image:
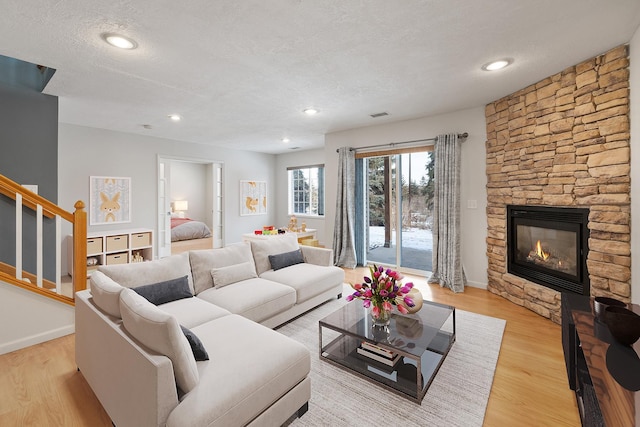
[
  {"x": 206, "y": 192},
  {"x": 399, "y": 209}
]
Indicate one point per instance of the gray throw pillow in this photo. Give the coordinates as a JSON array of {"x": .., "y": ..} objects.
[
  {"x": 199, "y": 352},
  {"x": 167, "y": 291},
  {"x": 286, "y": 259}
]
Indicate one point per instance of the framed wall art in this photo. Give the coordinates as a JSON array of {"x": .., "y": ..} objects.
[
  {"x": 109, "y": 200},
  {"x": 253, "y": 197}
]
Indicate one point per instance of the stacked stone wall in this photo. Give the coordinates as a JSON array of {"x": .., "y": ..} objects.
[{"x": 564, "y": 141}]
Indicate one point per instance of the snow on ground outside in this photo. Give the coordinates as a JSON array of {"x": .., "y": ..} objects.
[{"x": 411, "y": 238}]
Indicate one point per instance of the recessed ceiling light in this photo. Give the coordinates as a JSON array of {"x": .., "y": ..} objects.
[
  {"x": 497, "y": 65},
  {"x": 311, "y": 111},
  {"x": 286, "y": 140},
  {"x": 175, "y": 117},
  {"x": 119, "y": 41}
]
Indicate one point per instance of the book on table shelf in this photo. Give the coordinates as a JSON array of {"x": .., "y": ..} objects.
[
  {"x": 377, "y": 349},
  {"x": 389, "y": 361}
]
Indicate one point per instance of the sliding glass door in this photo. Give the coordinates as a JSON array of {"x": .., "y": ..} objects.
[{"x": 398, "y": 212}]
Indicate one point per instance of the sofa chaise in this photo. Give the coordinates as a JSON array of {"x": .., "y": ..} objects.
[{"x": 143, "y": 331}]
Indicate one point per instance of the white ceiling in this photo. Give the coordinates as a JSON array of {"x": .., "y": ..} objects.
[{"x": 240, "y": 72}]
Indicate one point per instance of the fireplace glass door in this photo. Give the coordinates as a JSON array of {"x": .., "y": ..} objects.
[{"x": 547, "y": 248}]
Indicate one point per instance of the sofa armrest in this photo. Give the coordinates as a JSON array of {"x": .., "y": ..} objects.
[
  {"x": 135, "y": 387},
  {"x": 317, "y": 256}
]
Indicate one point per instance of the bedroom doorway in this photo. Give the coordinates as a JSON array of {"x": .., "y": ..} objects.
[{"x": 196, "y": 187}]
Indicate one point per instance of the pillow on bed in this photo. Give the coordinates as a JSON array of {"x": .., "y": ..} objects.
[
  {"x": 286, "y": 259},
  {"x": 224, "y": 276},
  {"x": 188, "y": 229},
  {"x": 167, "y": 291}
]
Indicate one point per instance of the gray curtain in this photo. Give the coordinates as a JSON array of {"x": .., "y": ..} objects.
[
  {"x": 343, "y": 231},
  {"x": 361, "y": 226},
  {"x": 447, "y": 257}
]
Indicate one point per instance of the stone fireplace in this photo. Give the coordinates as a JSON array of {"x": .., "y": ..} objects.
[{"x": 562, "y": 142}]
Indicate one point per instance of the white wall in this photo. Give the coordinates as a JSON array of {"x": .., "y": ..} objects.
[
  {"x": 84, "y": 151},
  {"x": 474, "y": 180},
  {"x": 298, "y": 158},
  {"x": 29, "y": 319},
  {"x": 634, "y": 81},
  {"x": 189, "y": 182}
]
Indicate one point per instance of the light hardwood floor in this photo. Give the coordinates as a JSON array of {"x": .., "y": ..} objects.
[{"x": 40, "y": 386}]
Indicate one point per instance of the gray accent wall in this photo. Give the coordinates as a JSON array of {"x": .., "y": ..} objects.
[{"x": 29, "y": 141}]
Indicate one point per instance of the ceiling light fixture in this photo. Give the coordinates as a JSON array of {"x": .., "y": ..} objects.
[
  {"x": 311, "y": 111},
  {"x": 119, "y": 41},
  {"x": 286, "y": 140},
  {"x": 175, "y": 117},
  {"x": 497, "y": 65}
]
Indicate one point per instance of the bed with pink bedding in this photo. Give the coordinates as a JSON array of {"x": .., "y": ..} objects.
[{"x": 188, "y": 234}]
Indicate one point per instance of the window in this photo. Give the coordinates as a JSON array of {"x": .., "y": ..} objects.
[{"x": 306, "y": 190}]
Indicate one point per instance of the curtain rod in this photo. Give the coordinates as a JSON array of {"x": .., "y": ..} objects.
[{"x": 393, "y": 144}]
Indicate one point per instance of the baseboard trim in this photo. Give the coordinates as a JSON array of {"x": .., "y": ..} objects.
[
  {"x": 36, "y": 339},
  {"x": 477, "y": 285}
]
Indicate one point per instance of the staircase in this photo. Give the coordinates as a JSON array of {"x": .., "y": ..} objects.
[{"x": 15, "y": 275}]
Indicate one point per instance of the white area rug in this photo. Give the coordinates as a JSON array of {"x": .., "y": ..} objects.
[{"x": 457, "y": 397}]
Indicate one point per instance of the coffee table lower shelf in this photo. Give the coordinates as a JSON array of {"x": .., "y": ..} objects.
[{"x": 410, "y": 377}]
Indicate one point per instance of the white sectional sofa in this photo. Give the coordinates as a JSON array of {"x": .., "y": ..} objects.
[{"x": 135, "y": 355}]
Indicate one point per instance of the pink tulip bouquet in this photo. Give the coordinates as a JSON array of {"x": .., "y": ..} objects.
[{"x": 382, "y": 291}]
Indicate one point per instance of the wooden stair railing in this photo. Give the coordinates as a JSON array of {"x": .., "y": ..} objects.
[{"x": 44, "y": 208}]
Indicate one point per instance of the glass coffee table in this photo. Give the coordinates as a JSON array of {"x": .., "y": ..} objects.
[{"x": 403, "y": 357}]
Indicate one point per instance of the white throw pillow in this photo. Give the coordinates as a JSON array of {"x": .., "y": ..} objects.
[
  {"x": 105, "y": 293},
  {"x": 224, "y": 276},
  {"x": 161, "y": 332},
  {"x": 202, "y": 261}
]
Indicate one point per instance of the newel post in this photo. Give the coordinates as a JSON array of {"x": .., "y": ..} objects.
[{"x": 79, "y": 247}]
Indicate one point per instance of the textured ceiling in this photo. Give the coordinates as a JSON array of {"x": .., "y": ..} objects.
[{"x": 241, "y": 72}]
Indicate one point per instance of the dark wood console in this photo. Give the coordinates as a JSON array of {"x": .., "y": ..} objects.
[{"x": 603, "y": 373}]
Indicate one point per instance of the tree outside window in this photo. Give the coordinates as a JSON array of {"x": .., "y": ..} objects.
[{"x": 306, "y": 191}]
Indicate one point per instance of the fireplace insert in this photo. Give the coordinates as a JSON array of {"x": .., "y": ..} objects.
[{"x": 549, "y": 246}]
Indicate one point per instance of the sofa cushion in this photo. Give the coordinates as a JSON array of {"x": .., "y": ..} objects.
[
  {"x": 286, "y": 259},
  {"x": 272, "y": 246},
  {"x": 160, "y": 332},
  {"x": 167, "y": 291},
  {"x": 197, "y": 348},
  {"x": 231, "y": 394},
  {"x": 308, "y": 280},
  {"x": 256, "y": 299},
  {"x": 224, "y": 276},
  {"x": 190, "y": 312},
  {"x": 146, "y": 273},
  {"x": 105, "y": 293},
  {"x": 203, "y": 261}
]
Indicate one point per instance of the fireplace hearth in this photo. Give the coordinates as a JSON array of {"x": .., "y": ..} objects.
[{"x": 549, "y": 246}]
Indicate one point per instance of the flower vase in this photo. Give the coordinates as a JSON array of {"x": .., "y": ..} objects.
[{"x": 383, "y": 317}]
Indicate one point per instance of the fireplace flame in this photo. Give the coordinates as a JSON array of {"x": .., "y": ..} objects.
[{"x": 542, "y": 254}]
